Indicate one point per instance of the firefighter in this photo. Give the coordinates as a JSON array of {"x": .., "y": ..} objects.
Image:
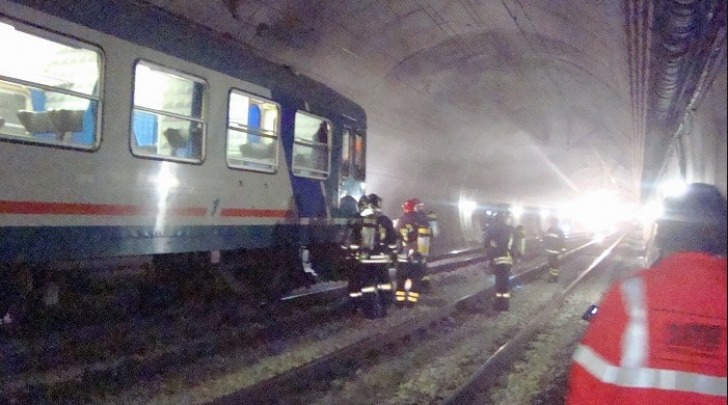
[
  {"x": 387, "y": 239},
  {"x": 350, "y": 251},
  {"x": 659, "y": 336},
  {"x": 554, "y": 244},
  {"x": 499, "y": 241},
  {"x": 378, "y": 240},
  {"x": 415, "y": 233}
]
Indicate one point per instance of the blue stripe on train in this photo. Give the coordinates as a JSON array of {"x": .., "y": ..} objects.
[
  {"x": 69, "y": 243},
  {"x": 38, "y": 244}
]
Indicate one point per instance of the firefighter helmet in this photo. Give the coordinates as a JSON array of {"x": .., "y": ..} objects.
[
  {"x": 363, "y": 203},
  {"x": 694, "y": 220},
  {"x": 410, "y": 205},
  {"x": 375, "y": 200}
]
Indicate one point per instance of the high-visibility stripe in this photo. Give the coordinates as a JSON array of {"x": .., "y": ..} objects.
[
  {"x": 649, "y": 378},
  {"x": 369, "y": 289},
  {"x": 355, "y": 294},
  {"x": 386, "y": 287},
  {"x": 503, "y": 295},
  {"x": 552, "y": 251},
  {"x": 379, "y": 258},
  {"x": 503, "y": 260},
  {"x": 635, "y": 340}
]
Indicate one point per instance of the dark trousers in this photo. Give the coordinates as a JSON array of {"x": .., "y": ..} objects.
[
  {"x": 355, "y": 277},
  {"x": 374, "y": 299},
  {"x": 502, "y": 287}
]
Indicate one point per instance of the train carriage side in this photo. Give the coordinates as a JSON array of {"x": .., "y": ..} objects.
[
  {"x": 196, "y": 149},
  {"x": 323, "y": 137}
]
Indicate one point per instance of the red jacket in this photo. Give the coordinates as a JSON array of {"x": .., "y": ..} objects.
[{"x": 659, "y": 338}]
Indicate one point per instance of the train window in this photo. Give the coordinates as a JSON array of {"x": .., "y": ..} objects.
[
  {"x": 167, "y": 118},
  {"x": 49, "y": 88},
  {"x": 253, "y": 131},
  {"x": 359, "y": 155},
  {"x": 346, "y": 143},
  {"x": 311, "y": 151},
  {"x": 352, "y": 155}
]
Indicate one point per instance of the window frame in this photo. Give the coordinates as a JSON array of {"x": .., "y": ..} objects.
[
  {"x": 270, "y": 134},
  {"x": 310, "y": 172},
  {"x": 358, "y": 158},
  {"x": 93, "y": 97},
  {"x": 203, "y": 121}
]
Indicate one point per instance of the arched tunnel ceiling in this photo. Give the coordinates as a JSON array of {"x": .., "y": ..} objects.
[{"x": 524, "y": 98}]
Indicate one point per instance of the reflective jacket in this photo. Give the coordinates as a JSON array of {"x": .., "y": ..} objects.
[
  {"x": 415, "y": 234},
  {"x": 659, "y": 338},
  {"x": 378, "y": 239},
  {"x": 498, "y": 243}
]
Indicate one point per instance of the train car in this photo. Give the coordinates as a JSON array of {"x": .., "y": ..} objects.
[{"x": 128, "y": 132}]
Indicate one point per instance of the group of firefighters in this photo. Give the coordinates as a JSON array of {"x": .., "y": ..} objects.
[
  {"x": 505, "y": 244},
  {"x": 374, "y": 244}
]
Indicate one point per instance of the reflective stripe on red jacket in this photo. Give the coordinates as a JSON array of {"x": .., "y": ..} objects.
[{"x": 659, "y": 338}]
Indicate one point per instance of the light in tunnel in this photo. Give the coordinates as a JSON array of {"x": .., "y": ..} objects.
[
  {"x": 466, "y": 206},
  {"x": 599, "y": 211},
  {"x": 651, "y": 211},
  {"x": 545, "y": 213},
  {"x": 673, "y": 188},
  {"x": 517, "y": 212}
]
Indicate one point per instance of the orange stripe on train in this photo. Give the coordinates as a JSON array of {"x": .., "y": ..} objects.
[{"x": 55, "y": 208}]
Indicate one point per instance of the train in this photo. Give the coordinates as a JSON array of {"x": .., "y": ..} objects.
[
  {"x": 128, "y": 132},
  {"x": 129, "y": 135}
]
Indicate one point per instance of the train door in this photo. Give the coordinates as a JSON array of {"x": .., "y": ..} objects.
[{"x": 352, "y": 169}]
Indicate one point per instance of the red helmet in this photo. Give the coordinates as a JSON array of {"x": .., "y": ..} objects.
[{"x": 410, "y": 205}]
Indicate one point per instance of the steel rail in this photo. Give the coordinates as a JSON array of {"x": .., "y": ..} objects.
[
  {"x": 504, "y": 357},
  {"x": 297, "y": 379}
]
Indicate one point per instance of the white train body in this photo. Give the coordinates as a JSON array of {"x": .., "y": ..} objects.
[{"x": 178, "y": 141}]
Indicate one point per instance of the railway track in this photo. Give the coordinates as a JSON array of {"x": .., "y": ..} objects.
[
  {"x": 487, "y": 375},
  {"x": 87, "y": 364},
  {"x": 290, "y": 386},
  {"x": 56, "y": 361}
]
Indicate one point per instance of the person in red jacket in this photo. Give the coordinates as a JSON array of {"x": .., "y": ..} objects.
[{"x": 659, "y": 336}]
